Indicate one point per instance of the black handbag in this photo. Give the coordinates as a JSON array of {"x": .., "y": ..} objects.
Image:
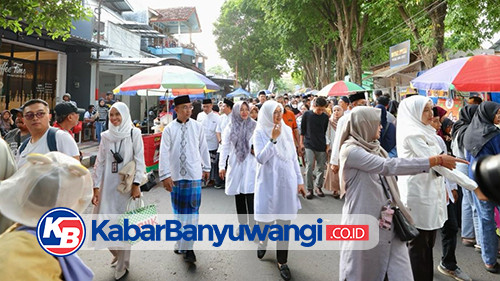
[{"x": 403, "y": 228}]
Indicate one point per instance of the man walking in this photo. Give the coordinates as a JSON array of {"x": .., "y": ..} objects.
[
  {"x": 43, "y": 138},
  {"x": 210, "y": 120},
  {"x": 313, "y": 139},
  {"x": 184, "y": 162}
]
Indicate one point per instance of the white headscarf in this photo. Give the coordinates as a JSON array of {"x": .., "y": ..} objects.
[
  {"x": 285, "y": 144},
  {"x": 409, "y": 121},
  {"x": 123, "y": 130}
]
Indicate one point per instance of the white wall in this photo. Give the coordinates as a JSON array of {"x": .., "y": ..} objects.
[{"x": 122, "y": 41}]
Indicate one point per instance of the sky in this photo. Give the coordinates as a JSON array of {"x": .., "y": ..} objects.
[{"x": 208, "y": 11}]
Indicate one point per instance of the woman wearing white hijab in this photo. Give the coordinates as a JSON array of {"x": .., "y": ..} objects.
[
  {"x": 123, "y": 138},
  {"x": 279, "y": 180},
  {"x": 424, "y": 194},
  {"x": 366, "y": 172},
  {"x": 237, "y": 145},
  {"x": 331, "y": 178}
]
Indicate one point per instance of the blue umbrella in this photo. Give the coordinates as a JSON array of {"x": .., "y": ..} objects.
[{"x": 238, "y": 92}]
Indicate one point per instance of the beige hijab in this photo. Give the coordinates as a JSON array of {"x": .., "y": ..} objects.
[{"x": 360, "y": 130}]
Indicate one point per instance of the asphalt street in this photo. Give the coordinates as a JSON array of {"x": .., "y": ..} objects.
[{"x": 244, "y": 265}]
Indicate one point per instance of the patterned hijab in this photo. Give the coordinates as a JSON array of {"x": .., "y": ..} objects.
[{"x": 241, "y": 131}]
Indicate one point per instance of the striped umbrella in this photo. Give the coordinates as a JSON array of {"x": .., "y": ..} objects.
[
  {"x": 479, "y": 73},
  {"x": 340, "y": 88},
  {"x": 180, "y": 81}
]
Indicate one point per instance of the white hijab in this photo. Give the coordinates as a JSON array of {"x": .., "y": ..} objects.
[
  {"x": 123, "y": 130},
  {"x": 285, "y": 145},
  {"x": 409, "y": 121}
]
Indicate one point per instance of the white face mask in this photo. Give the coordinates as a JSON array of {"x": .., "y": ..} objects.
[{"x": 294, "y": 105}]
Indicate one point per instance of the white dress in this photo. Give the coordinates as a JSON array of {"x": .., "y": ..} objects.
[
  {"x": 240, "y": 176},
  {"x": 276, "y": 194},
  {"x": 111, "y": 200}
]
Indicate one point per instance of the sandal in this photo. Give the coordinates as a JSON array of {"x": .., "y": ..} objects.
[{"x": 491, "y": 268}]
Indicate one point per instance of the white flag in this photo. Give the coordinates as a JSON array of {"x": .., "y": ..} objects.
[{"x": 271, "y": 85}]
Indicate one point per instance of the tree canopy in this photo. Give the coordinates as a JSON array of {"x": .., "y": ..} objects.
[{"x": 36, "y": 16}]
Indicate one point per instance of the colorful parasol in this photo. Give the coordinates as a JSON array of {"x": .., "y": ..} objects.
[
  {"x": 340, "y": 88},
  {"x": 179, "y": 80},
  {"x": 479, "y": 73}
]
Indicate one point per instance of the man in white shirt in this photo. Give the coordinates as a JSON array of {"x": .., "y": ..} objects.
[
  {"x": 356, "y": 99},
  {"x": 184, "y": 162},
  {"x": 43, "y": 138},
  {"x": 227, "y": 108},
  {"x": 210, "y": 120}
]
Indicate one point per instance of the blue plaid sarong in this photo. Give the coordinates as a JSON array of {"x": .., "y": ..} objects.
[{"x": 186, "y": 200}]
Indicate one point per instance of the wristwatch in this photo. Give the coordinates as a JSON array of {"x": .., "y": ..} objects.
[{"x": 273, "y": 141}]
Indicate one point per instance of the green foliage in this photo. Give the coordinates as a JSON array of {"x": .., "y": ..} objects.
[
  {"x": 248, "y": 43},
  {"x": 35, "y": 16},
  {"x": 218, "y": 70}
]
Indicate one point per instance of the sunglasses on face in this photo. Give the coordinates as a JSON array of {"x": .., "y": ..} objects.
[{"x": 31, "y": 115}]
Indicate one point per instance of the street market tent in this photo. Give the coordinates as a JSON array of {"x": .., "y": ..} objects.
[
  {"x": 238, "y": 93},
  {"x": 340, "y": 88},
  {"x": 479, "y": 73}
]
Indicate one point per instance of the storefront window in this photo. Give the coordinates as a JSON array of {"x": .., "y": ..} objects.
[{"x": 26, "y": 73}]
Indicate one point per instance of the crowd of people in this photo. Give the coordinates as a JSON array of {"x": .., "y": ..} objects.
[{"x": 376, "y": 155}]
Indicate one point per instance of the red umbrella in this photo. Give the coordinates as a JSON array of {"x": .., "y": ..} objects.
[{"x": 477, "y": 73}]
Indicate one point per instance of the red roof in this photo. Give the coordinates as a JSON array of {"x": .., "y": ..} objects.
[{"x": 174, "y": 14}]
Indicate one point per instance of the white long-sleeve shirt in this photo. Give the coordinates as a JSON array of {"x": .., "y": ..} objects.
[
  {"x": 425, "y": 194},
  {"x": 183, "y": 151},
  {"x": 334, "y": 159},
  {"x": 210, "y": 122}
]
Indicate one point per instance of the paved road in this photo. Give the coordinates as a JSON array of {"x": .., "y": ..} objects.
[{"x": 244, "y": 265}]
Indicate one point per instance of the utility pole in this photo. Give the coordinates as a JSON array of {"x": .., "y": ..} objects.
[{"x": 98, "y": 49}]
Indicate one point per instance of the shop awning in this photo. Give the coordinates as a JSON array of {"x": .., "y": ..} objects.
[{"x": 392, "y": 71}]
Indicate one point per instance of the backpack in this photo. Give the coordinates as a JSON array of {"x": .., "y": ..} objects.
[{"x": 51, "y": 140}]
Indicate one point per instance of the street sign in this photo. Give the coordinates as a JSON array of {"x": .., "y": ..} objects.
[{"x": 399, "y": 54}]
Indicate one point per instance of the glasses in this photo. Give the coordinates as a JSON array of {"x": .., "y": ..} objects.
[
  {"x": 187, "y": 107},
  {"x": 31, "y": 115}
]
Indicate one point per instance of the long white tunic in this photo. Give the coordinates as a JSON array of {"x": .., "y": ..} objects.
[
  {"x": 112, "y": 201},
  {"x": 334, "y": 158},
  {"x": 183, "y": 151},
  {"x": 425, "y": 194},
  {"x": 210, "y": 122},
  {"x": 240, "y": 176},
  {"x": 276, "y": 183}
]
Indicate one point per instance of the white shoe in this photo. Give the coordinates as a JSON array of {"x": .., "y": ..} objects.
[{"x": 119, "y": 275}]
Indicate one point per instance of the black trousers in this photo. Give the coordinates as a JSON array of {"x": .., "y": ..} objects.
[
  {"x": 214, "y": 165},
  {"x": 244, "y": 208},
  {"x": 282, "y": 246},
  {"x": 420, "y": 249},
  {"x": 449, "y": 238}
]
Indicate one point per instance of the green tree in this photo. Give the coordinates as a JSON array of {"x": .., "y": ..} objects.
[
  {"x": 439, "y": 26},
  {"x": 305, "y": 37},
  {"x": 247, "y": 43},
  {"x": 218, "y": 70},
  {"x": 36, "y": 16}
]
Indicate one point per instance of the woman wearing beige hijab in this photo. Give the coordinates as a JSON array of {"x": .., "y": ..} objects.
[
  {"x": 364, "y": 166},
  {"x": 331, "y": 178}
]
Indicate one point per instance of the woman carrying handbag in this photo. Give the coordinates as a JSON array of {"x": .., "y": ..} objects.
[
  {"x": 120, "y": 144},
  {"x": 367, "y": 179}
]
